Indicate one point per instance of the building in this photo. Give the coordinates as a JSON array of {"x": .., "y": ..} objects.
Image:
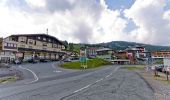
[
  {"x": 136, "y": 54},
  {"x": 27, "y": 46},
  {"x": 120, "y": 61},
  {"x": 1, "y": 41},
  {"x": 104, "y": 53},
  {"x": 91, "y": 52},
  {"x": 160, "y": 54},
  {"x": 122, "y": 54}
]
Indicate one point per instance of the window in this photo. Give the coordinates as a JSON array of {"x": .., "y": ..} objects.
[
  {"x": 39, "y": 38},
  {"x": 30, "y": 42},
  {"x": 6, "y": 44},
  {"x": 45, "y": 44},
  {"x": 44, "y": 39},
  {"x": 2, "y": 53},
  {"x": 44, "y": 48},
  {"x": 30, "y": 47},
  {"x": 11, "y": 45},
  {"x": 49, "y": 40}
]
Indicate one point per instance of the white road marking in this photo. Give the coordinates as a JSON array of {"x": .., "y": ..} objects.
[
  {"x": 96, "y": 81},
  {"x": 108, "y": 75},
  {"x": 35, "y": 76},
  {"x": 82, "y": 88},
  {"x": 55, "y": 69},
  {"x": 99, "y": 80}
]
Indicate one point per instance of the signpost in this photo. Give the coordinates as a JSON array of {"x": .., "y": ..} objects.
[
  {"x": 83, "y": 58},
  {"x": 1, "y": 41},
  {"x": 167, "y": 66}
]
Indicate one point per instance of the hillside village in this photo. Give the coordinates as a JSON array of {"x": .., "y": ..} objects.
[{"x": 43, "y": 47}]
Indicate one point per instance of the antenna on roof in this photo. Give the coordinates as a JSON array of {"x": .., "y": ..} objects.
[{"x": 47, "y": 31}]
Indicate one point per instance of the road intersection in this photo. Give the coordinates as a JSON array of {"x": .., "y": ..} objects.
[{"x": 47, "y": 81}]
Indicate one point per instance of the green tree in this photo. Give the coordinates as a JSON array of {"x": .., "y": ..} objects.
[{"x": 71, "y": 46}]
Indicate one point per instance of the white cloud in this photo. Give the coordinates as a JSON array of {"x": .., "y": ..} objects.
[
  {"x": 152, "y": 26},
  {"x": 75, "y": 21},
  {"x": 36, "y": 3},
  {"x": 86, "y": 20}
]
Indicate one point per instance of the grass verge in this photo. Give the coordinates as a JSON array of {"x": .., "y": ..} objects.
[
  {"x": 134, "y": 67},
  {"x": 162, "y": 78},
  {"x": 8, "y": 79},
  {"x": 91, "y": 63}
]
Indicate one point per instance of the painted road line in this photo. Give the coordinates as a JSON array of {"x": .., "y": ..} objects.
[
  {"x": 82, "y": 88},
  {"x": 96, "y": 81},
  {"x": 108, "y": 75},
  {"x": 35, "y": 76},
  {"x": 99, "y": 80},
  {"x": 55, "y": 69}
]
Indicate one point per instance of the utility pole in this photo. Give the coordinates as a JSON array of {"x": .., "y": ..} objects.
[{"x": 47, "y": 31}]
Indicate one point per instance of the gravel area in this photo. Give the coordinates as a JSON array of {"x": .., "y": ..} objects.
[
  {"x": 4, "y": 72},
  {"x": 123, "y": 85},
  {"x": 161, "y": 89}
]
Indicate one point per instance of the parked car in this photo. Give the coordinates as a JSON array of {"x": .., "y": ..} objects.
[
  {"x": 32, "y": 61},
  {"x": 67, "y": 60},
  {"x": 166, "y": 70},
  {"x": 17, "y": 61},
  {"x": 159, "y": 68},
  {"x": 43, "y": 60}
]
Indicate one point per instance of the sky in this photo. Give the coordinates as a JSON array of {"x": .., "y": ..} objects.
[{"x": 89, "y": 21}]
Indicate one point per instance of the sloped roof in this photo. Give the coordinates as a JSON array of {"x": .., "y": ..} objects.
[{"x": 39, "y": 34}]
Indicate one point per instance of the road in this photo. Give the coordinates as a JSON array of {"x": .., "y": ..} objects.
[{"x": 47, "y": 81}]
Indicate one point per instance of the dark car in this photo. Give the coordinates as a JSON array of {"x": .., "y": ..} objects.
[
  {"x": 17, "y": 61},
  {"x": 159, "y": 68},
  {"x": 32, "y": 61},
  {"x": 67, "y": 60},
  {"x": 43, "y": 60}
]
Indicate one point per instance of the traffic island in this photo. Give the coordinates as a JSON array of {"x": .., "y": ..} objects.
[
  {"x": 8, "y": 79},
  {"x": 134, "y": 67},
  {"x": 10, "y": 75},
  {"x": 91, "y": 63}
]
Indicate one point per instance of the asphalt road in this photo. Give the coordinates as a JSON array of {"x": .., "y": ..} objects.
[{"x": 46, "y": 81}]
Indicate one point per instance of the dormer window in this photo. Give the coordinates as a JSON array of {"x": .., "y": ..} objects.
[
  {"x": 39, "y": 37},
  {"x": 44, "y": 39}
]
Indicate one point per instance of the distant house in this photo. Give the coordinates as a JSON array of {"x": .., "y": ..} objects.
[
  {"x": 91, "y": 52},
  {"x": 104, "y": 53},
  {"x": 131, "y": 54},
  {"x": 160, "y": 54},
  {"x": 122, "y": 54}
]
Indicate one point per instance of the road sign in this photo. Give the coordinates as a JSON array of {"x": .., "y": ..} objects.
[{"x": 83, "y": 59}]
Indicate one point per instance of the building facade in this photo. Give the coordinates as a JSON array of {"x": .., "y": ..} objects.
[
  {"x": 27, "y": 46},
  {"x": 104, "y": 53},
  {"x": 91, "y": 52},
  {"x": 160, "y": 54}
]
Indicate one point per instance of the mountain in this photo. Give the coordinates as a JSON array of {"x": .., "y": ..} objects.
[{"x": 121, "y": 45}]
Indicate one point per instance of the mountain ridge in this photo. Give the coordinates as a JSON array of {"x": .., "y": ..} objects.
[{"x": 122, "y": 45}]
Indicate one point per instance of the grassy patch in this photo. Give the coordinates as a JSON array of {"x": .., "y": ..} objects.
[
  {"x": 92, "y": 63},
  {"x": 162, "y": 78},
  {"x": 134, "y": 67},
  {"x": 8, "y": 79}
]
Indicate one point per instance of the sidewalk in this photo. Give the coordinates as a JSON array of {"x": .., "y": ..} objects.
[{"x": 160, "y": 87}]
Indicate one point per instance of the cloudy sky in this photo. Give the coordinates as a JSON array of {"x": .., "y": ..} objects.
[{"x": 89, "y": 21}]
